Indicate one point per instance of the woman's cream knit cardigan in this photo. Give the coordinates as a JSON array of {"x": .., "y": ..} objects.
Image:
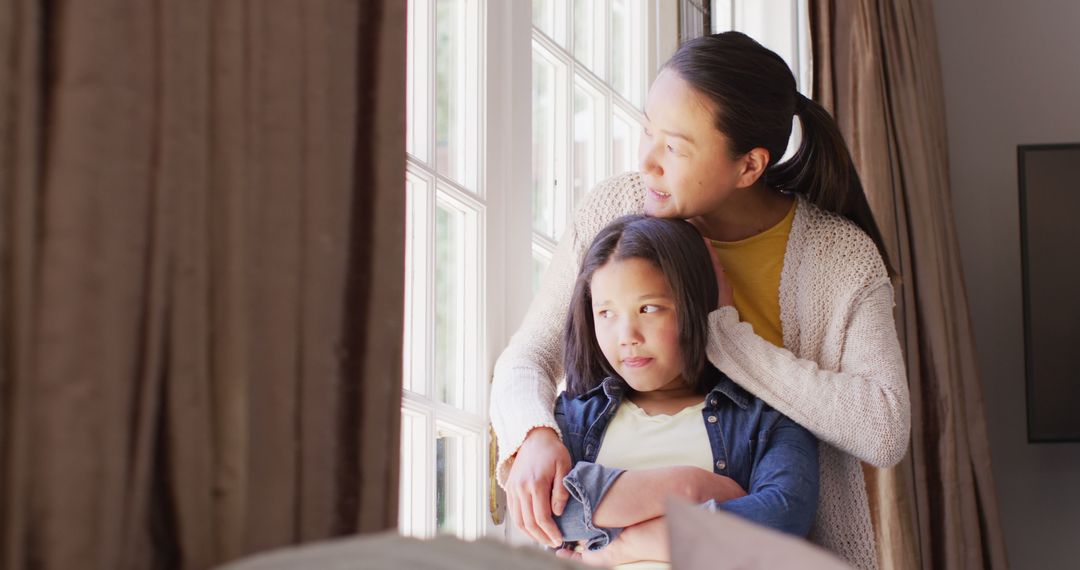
[{"x": 841, "y": 373}]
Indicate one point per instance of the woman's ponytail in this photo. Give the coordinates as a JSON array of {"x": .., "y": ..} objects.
[{"x": 822, "y": 171}]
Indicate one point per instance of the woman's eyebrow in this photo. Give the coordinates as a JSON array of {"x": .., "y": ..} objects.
[{"x": 675, "y": 134}]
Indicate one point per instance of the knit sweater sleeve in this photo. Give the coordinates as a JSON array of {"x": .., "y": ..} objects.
[
  {"x": 862, "y": 408},
  {"x": 526, "y": 373}
]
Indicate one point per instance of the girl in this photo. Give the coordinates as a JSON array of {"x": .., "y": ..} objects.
[
  {"x": 809, "y": 327},
  {"x": 645, "y": 416}
]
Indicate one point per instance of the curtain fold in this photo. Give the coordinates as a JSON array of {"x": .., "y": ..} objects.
[
  {"x": 201, "y": 277},
  {"x": 876, "y": 69}
]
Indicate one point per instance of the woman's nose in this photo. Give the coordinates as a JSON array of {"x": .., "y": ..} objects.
[{"x": 647, "y": 157}]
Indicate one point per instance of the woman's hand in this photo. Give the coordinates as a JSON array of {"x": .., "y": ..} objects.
[
  {"x": 534, "y": 487},
  {"x": 727, "y": 296}
]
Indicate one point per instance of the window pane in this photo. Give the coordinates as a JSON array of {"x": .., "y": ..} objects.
[
  {"x": 449, "y": 304},
  {"x": 589, "y": 35},
  {"x": 624, "y": 145},
  {"x": 415, "y": 364},
  {"x": 458, "y": 484},
  {"x": 543, "y": 145},
  {"x": 448, "y": 480},
  {"x": 587, "y": 131},
  {"x": 771, "y": 23},
  {"x": 549, "y": 16},
  {"x": 548, "y": 152},
  {"x": 721, "y": 13},
  {"x": 413, "y": 497},
  {"x": 456, "y": 69},
  {"x": 628, "y": 49},
  {"x": 417, "y": 93}
]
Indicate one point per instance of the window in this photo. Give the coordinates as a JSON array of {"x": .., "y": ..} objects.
[
  {"x": 444, "y": 421},
  {"x": 514, "y": 111},
  {"x": 590, "y": 74}
]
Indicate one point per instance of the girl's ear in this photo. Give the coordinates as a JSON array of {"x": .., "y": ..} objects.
[{"x": 753, "y": 166}]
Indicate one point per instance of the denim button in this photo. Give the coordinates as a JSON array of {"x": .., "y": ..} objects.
[
  {"x": 712, "y": 419},
  {"x": 588, "y": 449},
  {"x": 712, "y": 401},
  {"x": 721, "y": 465}
]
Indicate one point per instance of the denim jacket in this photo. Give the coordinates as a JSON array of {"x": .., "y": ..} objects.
[{"x": 774, "y": 459}]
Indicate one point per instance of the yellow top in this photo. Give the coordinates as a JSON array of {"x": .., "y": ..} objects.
[{"x": 753, "y": 267}]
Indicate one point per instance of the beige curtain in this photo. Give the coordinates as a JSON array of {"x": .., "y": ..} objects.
[
  {"x": 201, "y": 267},
  {"x": 876, "y": 68}
]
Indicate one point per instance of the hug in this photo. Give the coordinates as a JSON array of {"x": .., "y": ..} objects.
[{"x": 751, "y": 371}]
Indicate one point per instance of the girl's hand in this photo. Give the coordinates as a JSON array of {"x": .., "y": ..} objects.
[
  {"x": 727, "y": 295},
  {"x": 644, "y": 541},
  {"x": 534, "y": 487}
]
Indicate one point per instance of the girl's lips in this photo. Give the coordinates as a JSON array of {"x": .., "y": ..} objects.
[
  {"x": 636, "y": 362},
  {"x": 658, "y": 195}
]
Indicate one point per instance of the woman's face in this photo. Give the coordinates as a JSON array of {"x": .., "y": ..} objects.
[
  {"x": 685, "y": 161},
  {"x": 636, "y": 324}
]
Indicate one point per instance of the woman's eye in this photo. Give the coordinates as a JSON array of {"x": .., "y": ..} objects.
[
  {"x": 604, "y": 314},
  {"x": 649, "y": 309}
]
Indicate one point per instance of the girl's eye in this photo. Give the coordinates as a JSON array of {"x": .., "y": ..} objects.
[
  {"x": 604, "y": 314},
  {"x": 649, "y": 309}
]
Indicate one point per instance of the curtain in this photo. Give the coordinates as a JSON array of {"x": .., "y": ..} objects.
[
  {"x": 876, "y": 69},
  {"x": 201, "y": 277}
]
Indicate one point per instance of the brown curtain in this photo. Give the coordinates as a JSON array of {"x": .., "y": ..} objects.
[
  {"x": 876, "y": 69},
  {"x": 201, "y": 267}
]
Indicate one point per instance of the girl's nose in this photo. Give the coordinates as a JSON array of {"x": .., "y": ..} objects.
[{"x": 629, "y": 335}]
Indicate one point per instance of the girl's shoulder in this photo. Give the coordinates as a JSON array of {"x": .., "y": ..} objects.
[{"x": 827, "y": 242}]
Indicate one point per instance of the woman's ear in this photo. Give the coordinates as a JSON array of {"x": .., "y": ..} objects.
[{"x": 753, "y": 166}]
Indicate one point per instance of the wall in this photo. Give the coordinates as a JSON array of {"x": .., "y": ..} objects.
[{"x": 1012, "y": 76}]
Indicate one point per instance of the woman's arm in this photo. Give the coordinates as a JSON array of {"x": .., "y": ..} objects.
[
  {"x": 863, "y": 409},
  {"x": 784, "y": 484},
  {"x": 640, "y": 494}
]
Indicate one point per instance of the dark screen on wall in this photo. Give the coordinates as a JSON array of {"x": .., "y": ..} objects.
[{"x": 1050, "y": 252}]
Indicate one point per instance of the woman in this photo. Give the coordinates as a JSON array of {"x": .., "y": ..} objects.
[{"x": 810, "y": 328}]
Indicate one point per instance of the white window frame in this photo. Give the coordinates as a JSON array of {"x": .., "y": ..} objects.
[
  {"x": 425, "y": 416},
  {"x": 500, "y": 288}
]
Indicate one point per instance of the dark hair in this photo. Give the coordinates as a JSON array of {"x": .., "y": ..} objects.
[
  {"x": 755, "y": 97},
  {"x": 676, "y": 248}
]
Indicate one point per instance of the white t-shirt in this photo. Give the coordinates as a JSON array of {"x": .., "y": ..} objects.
[{"x": 636, "y": 440}]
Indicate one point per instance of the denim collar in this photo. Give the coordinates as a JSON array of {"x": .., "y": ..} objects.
[
  {"x": 614, "y": 388},
  {"x": 729, "y": 388}
]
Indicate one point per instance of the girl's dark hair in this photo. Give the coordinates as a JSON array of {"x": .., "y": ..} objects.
[
  {"x": 676, "y": 248},
  {"x": 755, "y": 97}
]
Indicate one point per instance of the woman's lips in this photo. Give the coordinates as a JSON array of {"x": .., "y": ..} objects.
[
  {"x": 636, "y": 362},
  {"x": 658, "y": 195}
]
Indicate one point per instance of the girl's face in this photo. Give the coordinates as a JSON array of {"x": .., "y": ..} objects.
[
  {"x": 636, "y": 325},
  {"x": 685, "y": 161}
]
